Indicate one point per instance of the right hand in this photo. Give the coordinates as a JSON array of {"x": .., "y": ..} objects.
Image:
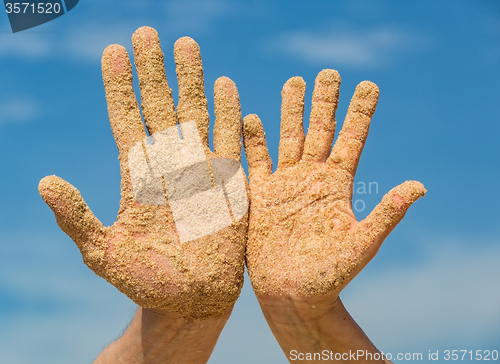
[{"x": 141, "y": 253}]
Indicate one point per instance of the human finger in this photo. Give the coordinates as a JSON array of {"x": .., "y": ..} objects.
[
  {"x": 390, "y": 211},
  {"x": 123, "y": 110},
  {"x": 192, "y": 104},
  {"x": 349, "y": 145},
  {"x": 254, "y": 140},
  {"x": 156, "y": 96},
  {"x": 227, "y": 129},
  {"x": 76, "y": 219},
  {"x": 292, "y": 129},
  {"x": 321, "y": 130}
]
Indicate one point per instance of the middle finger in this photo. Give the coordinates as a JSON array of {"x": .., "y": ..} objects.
[
  {"x": 192, "y": 100},
  {"x": 156, "y": 97}
]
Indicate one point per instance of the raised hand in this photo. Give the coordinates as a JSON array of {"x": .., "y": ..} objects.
[
  {"x": 144, "y": 253},
  {"x": 304, "y": 240}
]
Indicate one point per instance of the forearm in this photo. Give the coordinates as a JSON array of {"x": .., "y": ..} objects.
[
  {"x": 315, "y": 325},
  {"x": 157, "y": 337}
]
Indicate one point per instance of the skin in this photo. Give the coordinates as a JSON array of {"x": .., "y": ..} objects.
[
  {"x": 154, "y": 337},
  {"x": 304, "y": 242},
  {"x": 186, "y": 291},
  {"x": 304, "y": 245}
]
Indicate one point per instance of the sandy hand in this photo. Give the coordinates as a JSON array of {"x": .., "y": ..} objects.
[
  {"x": 144, "y": 253},
  {"x": 303, "y": 236}
]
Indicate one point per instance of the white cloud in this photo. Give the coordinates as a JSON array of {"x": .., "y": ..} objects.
[
  {"x": 449, "y": 298},
  {"x": 195, "y": 15},
  {"x": 347, "y": 47},
  {"x": 68, "y": 336},
  {"x": 25, "y": 45},
  {"x": 53, "y": 304},
  {"x": 19, "y": 109},
  {"x": 452, "y": 298},
  {"x": 86, "y": 41}
]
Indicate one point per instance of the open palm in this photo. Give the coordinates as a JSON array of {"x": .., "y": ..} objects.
[
  {"x": 304, "y": 239},
  {"x": 142, "y": 254}
]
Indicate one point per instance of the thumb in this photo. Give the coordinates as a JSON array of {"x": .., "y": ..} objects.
[
  {"x": 76, "y": 219},
  {"x": 390, "y": 211}
]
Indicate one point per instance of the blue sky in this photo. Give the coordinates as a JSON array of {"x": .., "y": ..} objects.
[{"x": 434, "y": 284}]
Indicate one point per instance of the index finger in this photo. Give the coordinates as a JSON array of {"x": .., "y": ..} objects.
[
  {"x": 228, "y": 126},
  {"x": 347, "y": 150}
]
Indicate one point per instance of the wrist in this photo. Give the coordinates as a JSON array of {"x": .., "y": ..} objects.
[
  {"x": 159, "y": 336},
  {"x": 286, "y": 309},
  {"x": 318, "y": 324}
]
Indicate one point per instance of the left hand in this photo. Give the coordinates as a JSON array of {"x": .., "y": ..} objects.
[{"x": 304, "y": 240}]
